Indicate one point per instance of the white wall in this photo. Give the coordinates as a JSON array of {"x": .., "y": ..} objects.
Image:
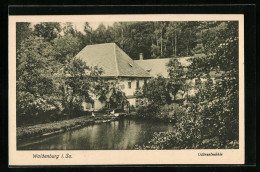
[
  {"x": 97, "y": 104},
  {"x": 124, "y": 85},
  {"x": 132, "y": 101}
]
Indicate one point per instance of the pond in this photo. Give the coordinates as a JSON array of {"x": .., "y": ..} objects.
[{"x": 116, "y": 135}]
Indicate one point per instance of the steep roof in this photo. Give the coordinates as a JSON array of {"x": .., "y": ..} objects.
[
  {"x": 112, "y": 59},
  {"x": 158, "y": 66}
]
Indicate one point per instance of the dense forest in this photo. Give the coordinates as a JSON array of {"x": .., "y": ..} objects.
[
  {"x": 154, "y": 39},
  {"x": 209, "y": 119}
]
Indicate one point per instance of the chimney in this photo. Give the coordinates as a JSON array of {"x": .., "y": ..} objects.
[{"x": 141, "y": 56}]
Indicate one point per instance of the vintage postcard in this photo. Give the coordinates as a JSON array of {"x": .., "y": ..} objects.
[{"x": 126, "y": 89}]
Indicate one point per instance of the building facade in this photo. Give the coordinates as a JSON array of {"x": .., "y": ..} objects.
[
  {"x": 116, "y": 66},
  {"x": 130, "y": 74}
]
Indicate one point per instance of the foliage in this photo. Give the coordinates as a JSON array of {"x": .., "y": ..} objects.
[
  {"x": 217, "y": 101},
  {"x": 52, "y": 127},
  {"x": 111, "y": 93},
  {"x": 177, "y": 75},
  {"x": 210, "y": 119},
  {"x": 150, "y": 111},
  {"x": 23, "y": 31},
  {"x": 157, "y": 91},
  {"x": 48, "y": 78},
  {"x": 195, "y": 129},
  {"x": 68, "y": 29},
  {"x": 198, "y": 49},
  {"x": 65, "y": 47},
  {"x": 47, "y": 30},
  {"x": 158, "y": 112},
  {"x": 33, "y": 74},
  {"x": 74, "y": 86},
  {"x": 153, "y": 39}
]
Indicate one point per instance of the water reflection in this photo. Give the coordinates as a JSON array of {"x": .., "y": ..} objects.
[{"x": 119, "y": 135}]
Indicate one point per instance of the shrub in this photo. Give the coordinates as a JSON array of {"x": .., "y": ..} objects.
[{"x": 150, "y": 111}]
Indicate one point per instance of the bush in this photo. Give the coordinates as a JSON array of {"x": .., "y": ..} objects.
[
  {"x": 151, "y": 111},
  {"x": 195, "y": 128}
]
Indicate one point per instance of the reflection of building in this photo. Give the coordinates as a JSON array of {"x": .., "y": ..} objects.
[{"x": 116, "y": 65}]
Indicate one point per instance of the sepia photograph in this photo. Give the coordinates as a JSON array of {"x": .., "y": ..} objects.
[{"x": 127, "y": 85}]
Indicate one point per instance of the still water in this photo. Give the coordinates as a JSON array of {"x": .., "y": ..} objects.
[{"x": 119, "y": 135}]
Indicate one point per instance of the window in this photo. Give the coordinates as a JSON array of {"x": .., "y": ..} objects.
[
  {"x": 145, "y": 82},
  {"x": 129, "y": 84},
  {"x": 108, "y": 105},
  {"x": 137, "y": 84}
]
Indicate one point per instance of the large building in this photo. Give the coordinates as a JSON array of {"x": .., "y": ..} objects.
[{"x": 116, "y": 65}]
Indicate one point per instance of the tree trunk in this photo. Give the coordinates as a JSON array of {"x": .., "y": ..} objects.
[
  {"x": 165, "y": 46},
  {"x": 188, "y": 44},
  {"x": 157, "y": 42},
  {"x": 172, "y": 48},
  {"x": 165, "y": 49},
  {"x": 187, "y": 53},
  {"x": 175, "y": 51},
  {"x": 161, "y": 44}
]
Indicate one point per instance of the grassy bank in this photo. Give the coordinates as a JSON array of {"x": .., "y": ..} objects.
[{"x": 42, "y": 130}]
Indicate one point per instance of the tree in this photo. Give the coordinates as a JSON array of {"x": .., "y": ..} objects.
[
  {"x": 100, "y": 34},
  {"x": 75, "y": 82},
  {"x": 110, "y": 92},
  {"x": 68, "y": 29},
  {"x": 177, "y": 75},
  {"x": 172, "y": 32},
  {"x": 47, "y": 30},
  {"x": 198, "y": 49},
  {"x": 215, "y": 106},
  {"x": 134, "y": 37},
  {"x": 66, "y": 47},
  {"x": 23, "y": 31},
  {"x": 88, "y": 31},
  {"x": 157, "y": 91},
  {"x": 34, "y": 82},
  {"x": 210, "y": 119},
  {"x": 49, "y": 78},
  {"x": 159, "y": 31}
]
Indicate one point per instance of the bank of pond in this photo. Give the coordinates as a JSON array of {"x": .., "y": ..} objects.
[
  {"x": 62, "y": 125},
  {"x": 28, "y": 135},
  {"x": 84, "y": 133}
]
